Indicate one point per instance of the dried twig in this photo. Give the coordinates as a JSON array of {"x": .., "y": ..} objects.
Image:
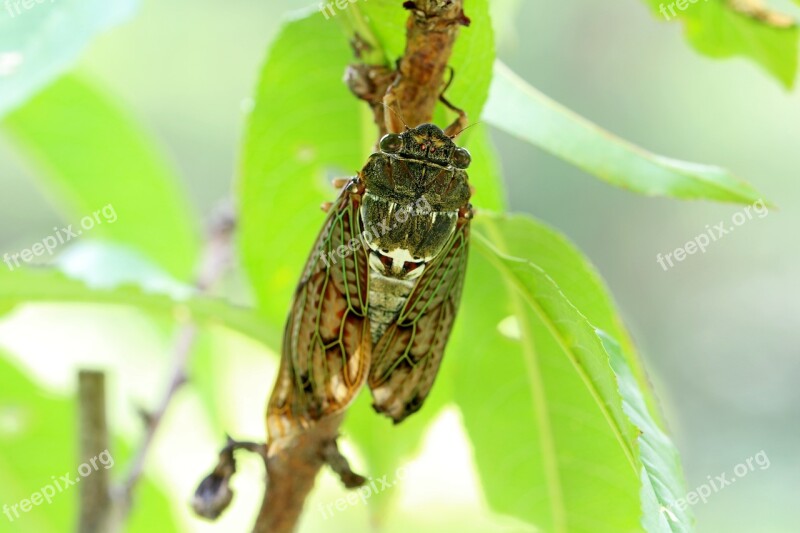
[
  {"x": 216, "y": 259},
  {"x": 214, "y": 494}
]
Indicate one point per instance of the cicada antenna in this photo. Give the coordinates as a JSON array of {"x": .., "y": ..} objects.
[
  {"x": 464, "y": 128},
  {"x": 397, "y": 114}
]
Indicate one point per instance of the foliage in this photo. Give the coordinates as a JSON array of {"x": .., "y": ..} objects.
[
  {"x": 33, "y": 428},
  {"x": 729, "y": 28},
  {"x": 44, "y": 43},
  {"x": 552, "y": 393}
]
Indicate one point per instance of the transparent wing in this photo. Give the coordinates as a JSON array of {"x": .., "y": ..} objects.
[
  {"x": 407, "y": 357},
  {"x": 326, "y": 343}
]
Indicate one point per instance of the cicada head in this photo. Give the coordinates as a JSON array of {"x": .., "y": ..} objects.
[{"x": 426, "y": 142}]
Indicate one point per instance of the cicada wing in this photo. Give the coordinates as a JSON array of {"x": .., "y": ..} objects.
[
  {"x": 327, "y": 344},
  {"x": 407, "y": 357}
]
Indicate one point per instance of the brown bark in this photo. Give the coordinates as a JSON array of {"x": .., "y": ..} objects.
[
  {"x": 291, "y": 471},
  {"x": 432, "y": 30},
  {"x": 411, "y": 91}
]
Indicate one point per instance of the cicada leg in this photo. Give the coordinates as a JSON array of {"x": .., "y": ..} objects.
[{"x": 461, "y": 122}]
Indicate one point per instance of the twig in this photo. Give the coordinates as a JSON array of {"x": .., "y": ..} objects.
[
  {"x": 181, "y": 352},
  {"x": 95, "y": 496},
  {"x": 432, "y": 31},
  {"x": 412, "y": 91},
  {"x": 214, "y": 494},
  {"x": 339, "y": 464},
  {"x": 216, "y": 259}
]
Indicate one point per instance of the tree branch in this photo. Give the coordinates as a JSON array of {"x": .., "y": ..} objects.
[
  {"x": 95, "y": 495},
  {"x": 291, "y": 470},
  {"x": 411, "y": 91},
  {"x": 432, "y": 31}
]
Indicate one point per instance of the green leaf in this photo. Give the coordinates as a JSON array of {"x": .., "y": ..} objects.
[
  {"x": 205, "y": 379},
  {"x": 48, "y": 286},
  {"x": 37, "y": 448},
  {"x": 537, "y": 402},
  {"x": 520, "y": 110},
  {"x": 716, "y": 29},
  {"x": 489, "y": 190},
  {"x": 40, "y": 41},
  {"x": 30, "y": 422},
  {"x": 541, "y": 402},
  {"x": 304, "y": 122},
  {"x": 661, "y": 476},
  {"x": 577, "y": 279},
  {"x": 96, "y": 162}
]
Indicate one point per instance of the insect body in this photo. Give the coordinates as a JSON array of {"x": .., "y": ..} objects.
[{"x": 379, "y": 294}]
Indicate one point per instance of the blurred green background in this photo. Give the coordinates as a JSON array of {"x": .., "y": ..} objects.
[{"x": 720, "y": 332}]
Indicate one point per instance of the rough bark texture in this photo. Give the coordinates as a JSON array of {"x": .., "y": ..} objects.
[
  {"x": 407, "y": 96},
  {"x": 432, "y": 31},
  {"x": 291, "y": 472}
]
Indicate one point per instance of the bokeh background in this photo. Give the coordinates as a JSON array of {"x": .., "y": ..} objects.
[{"x": 720, "y": 332}]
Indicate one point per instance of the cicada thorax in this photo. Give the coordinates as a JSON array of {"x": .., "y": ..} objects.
[{"x": 410, "y": 206}]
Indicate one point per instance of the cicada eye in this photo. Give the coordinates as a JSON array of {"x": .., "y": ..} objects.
[
  {"x": 391, "y": 143},
  {"x": 461, "y": 158}
]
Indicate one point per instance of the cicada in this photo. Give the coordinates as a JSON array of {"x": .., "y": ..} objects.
[{"x": 381, "y": 288}]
